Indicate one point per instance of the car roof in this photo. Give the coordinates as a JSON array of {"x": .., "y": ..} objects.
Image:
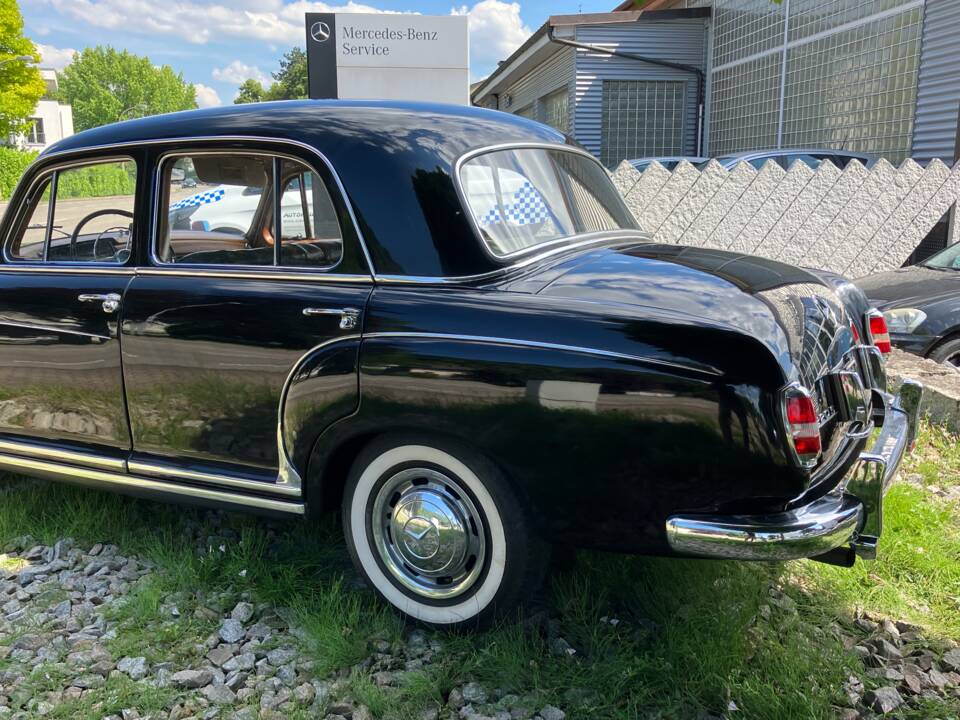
[{"x": 395, "y": 161}]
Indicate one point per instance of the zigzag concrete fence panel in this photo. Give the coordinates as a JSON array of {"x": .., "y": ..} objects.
[{"x": 854, "y": 221}]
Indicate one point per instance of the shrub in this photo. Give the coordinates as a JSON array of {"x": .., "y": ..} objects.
[
  {"x": 13, "y": 163},
  {"x": 97, "y": 181}
]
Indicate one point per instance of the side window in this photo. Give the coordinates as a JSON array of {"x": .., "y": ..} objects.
[
  {"x": 91, "y": 219},
  {"x": 30, "y": 244},
  {"x": 220, "y": 210}
]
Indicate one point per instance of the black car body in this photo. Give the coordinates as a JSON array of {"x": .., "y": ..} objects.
[
  {"x": 922, "y": 305},
  {"x": 456, "y": 334}
]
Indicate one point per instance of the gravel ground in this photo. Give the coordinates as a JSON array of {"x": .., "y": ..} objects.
[{"x": 57, "y": 626}]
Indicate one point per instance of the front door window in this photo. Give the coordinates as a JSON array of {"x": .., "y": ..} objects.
[{"x": 80, "y": 214}]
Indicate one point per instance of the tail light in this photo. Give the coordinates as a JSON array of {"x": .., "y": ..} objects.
[
  {"x": 877, "y": 327},
  {"x": 802, "y": 425}
]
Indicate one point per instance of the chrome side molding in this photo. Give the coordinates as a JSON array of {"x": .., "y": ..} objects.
[
  {"x": 136, "y": 467},
  {"x": 133, "y": 484}
]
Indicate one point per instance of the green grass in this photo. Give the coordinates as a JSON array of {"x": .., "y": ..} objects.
[{"x": 692, "y": 636}]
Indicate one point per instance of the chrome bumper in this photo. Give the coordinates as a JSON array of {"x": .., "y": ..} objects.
[{"x": 851, "y": 515}]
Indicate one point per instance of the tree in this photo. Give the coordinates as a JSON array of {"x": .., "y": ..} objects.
[
  {"x": 251, "y": 91},
  {"x": 21, "y": 85},
  {"x": 290, "y": 81},
  {"x": 291, "y": 78},
  {"x": 105, "y": 85}
]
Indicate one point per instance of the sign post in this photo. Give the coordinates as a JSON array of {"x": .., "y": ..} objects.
[{"x": 385, "y": 56}]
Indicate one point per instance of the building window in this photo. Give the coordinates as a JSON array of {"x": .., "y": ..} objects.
[
  {"x": 746, "y": 106},
  {"x": 850, "y": 79},
  {"x": 36, "y": 135},
  {"x": 556, "y": 112},
  {"x": 855, "y": 89},
  {"x": 641, "y": 118}
]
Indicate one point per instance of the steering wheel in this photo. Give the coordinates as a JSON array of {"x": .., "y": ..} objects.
[{"x": 93, "y": 216}]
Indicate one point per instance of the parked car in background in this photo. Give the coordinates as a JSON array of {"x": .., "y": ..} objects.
[
  {"x": 464, "y": 344},
  {"x": 787, "y": 157},
  {"x": 669, "y": 163},
  {"x": 922, "y": 305}
]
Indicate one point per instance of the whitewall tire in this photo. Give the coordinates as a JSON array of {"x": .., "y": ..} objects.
[{"x": 438, "y": 533}]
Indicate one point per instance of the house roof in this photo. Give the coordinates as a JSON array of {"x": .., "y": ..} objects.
[{"x": 538, "y": 47}]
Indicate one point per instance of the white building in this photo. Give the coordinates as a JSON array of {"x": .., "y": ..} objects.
[{"x": 51, "y": 120}]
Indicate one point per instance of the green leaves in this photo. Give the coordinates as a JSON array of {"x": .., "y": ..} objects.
[
  {"x": 105, "y": 85},
  {"x": 21, "y": 85},
  {"x": 290, "y": 81}
]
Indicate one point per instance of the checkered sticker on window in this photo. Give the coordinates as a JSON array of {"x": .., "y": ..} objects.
[
  {"x": 204, "y": 198},
  {"x": 527, "y": 208}
]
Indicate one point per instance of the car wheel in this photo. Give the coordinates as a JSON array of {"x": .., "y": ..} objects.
[
  {"x": 948, "y": 352},
  {"x": 436, "y": 530}
]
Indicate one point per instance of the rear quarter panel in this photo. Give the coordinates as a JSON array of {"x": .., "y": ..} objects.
[{"x": 606, "y": 422}]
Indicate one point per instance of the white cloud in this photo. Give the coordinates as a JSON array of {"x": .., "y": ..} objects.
[
  {"x": 237, "y": 71},
  {"x": 496, "y": 29},
  {"x": 54, "y": 57},
  {"x": 206, "y": 96}
]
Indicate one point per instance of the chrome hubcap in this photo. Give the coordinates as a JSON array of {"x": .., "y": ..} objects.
[{"x": 428, "y": 533}]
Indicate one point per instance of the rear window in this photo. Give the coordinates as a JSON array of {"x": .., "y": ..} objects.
[{"x": 523, "y": 198}]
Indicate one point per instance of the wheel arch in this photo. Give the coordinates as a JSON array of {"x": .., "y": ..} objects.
[
  {"x": 950, "y": 335},
  {"x": 335, "y": 451}
]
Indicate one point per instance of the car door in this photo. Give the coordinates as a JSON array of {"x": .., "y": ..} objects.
[
  {"x": 65, "y": 266},
  {"x": 241, "y": 338}
]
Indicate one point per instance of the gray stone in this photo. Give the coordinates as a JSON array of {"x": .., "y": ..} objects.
[
  {"x": 281, "y": 656},
  {"x": 474, "y": 693},
  {"x": 304, "y": 694},
  {"x": 883, "y": 700},
  {"x": 552, "y": 713},
  {"x": 952, "y": 659},
  {"x": 231, "y": 631},
  {"x": 219, "y": 694},
  {"x": 89, "y": 681},
  {"x": 192, "y": 678},
  {"x": 135, "y": 667},
  {"x": 243, "y": 661},
  {"x": 243, "y": 611},
  {"x": 221, "y": 654}
]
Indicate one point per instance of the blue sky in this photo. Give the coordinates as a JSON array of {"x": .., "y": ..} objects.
[{"x": 216, "y": 44}]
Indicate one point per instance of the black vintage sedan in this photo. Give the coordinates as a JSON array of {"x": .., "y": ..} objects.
[
  {"x": 444, "y": 323},
  {"x": 921, "y": 304}
]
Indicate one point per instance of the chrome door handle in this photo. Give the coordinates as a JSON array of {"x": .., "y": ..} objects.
[
  {"x": 348, "y": 316},
  {"x": 111, "y": 301}
]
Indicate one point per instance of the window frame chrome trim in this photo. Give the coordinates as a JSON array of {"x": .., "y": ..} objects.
[
  {"x": 468, "y": 210},
  {"x": 53, "y": 153},
  {"x": 154, "y": 235},
  {"x": 17, "y": 220}
]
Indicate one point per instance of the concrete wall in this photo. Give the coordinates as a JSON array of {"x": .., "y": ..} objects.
[{"x": 855, "y": 222}]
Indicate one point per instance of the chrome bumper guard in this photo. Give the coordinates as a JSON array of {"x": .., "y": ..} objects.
[{"x": 851, "y": 515}]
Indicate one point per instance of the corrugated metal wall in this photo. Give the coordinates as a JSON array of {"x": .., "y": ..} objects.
[
  {"x": 681, "y": 41},
  {"x": 938, "y": 95},
  {"x": 555, "y": 73}
]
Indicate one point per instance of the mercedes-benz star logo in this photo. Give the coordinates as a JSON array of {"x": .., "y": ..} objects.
[
  {"x": 421, "y": 538},
  {"x": 320, "y": 31}
]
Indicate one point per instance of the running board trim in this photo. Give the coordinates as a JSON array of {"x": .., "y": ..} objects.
[
  {"x": 59, "y": 455},
  {"x": 136, "y": 467},
  {"x": 103, "y": 479}
]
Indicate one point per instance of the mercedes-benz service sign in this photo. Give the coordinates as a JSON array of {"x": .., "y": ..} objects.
[{"x": 395, "y": 57}]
